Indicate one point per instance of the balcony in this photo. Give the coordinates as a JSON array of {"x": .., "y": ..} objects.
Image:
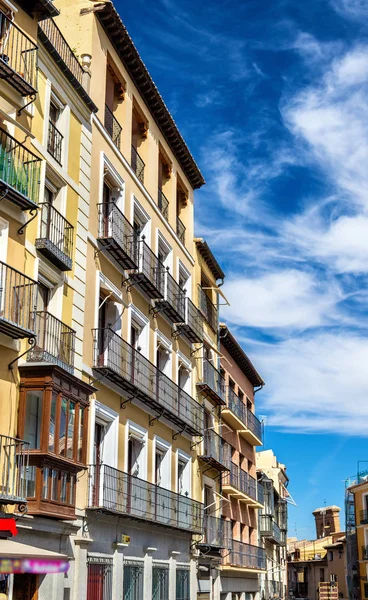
[
  {"x": 212, "y": 384},
  {"x": 238, "y": 415},
  {"x": 269, "y": 529},
  {"x": 55, "y": 342},
  {"x": 173, "y": 305},
  {"x": 192, "y": 328},
  {"x": 180, "y": 230},
  {"x": 116, "y": 236},
  {"x": 56, "y": 237},
  {"x": 118, "y": 493},
  {"x": 137, "y": 164},
  {"x": 18, "y": 300},
  {"x": 364, "y": 517},
  {"x": 216, "y": 452},
  {"x": 208, "y": 309},
  {"x": 61, "y": 47},
  {"x": 215, "y": 533},
  {"x": 245, "y": 556},
  {"x": 113, "y": 127},
  {"x": 150, "y": 275},
  {"x": 13, "y": 470},
  {"x": 163, "y": 204},
  {"x": 55, "y": 142},
  {"x": 242, "y": 486},
  {"x": 18, "y": 58},
  {"x": 19, "y": 172},
  {"x": 138, "y": 378}
]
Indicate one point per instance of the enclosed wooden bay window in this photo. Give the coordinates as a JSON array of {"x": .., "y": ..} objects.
[{"x": 53, "y": 413}]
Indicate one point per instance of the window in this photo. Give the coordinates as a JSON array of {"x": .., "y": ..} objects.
[
  {"x": 133, "y": 581},
  {"x": 184, "y": 279},
  {"x": 99, "y": 578},
  {"x": 160, "y": 583},
  {"x": 33, "y": 419},
  {"x": 55, "y": 138},
  {"x": 183, "y": 474},
  {"x": 162, "y": 474},
  {"x": 141, "y": 221},
  {"x": 182, "y": 584},
  {"x": 184, "y": 373}
]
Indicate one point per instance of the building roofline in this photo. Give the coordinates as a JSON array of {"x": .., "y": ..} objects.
[
  {"x": 44, "y": 9},
  {"x": 128, "y": 53},
  {"x": 207, "y": 254},
  {"x": 238, "y": 354}
]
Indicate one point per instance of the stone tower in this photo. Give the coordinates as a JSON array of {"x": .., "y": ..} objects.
[{"x": 327, "y": 520}]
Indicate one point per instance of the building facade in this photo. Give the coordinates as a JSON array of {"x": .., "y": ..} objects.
[
  {"x": 273, "y": 524},
  {"x": 358, "y": 567}
]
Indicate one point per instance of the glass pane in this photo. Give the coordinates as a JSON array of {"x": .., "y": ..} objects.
[
  {"x": 33, "y": 419},
  {"x": 62, "y": 431},
  {"x": 80, "y": 434},
  {"x": 54, "y": 485},
  {"x": 160, "y": 583},
  {"x": 182, "y": 584},
  {"x": 72, "y": 489},
  {"x": 63, "y": 482},
  {"x": 52, "y": 423},
  {"x": 133, "y": 582},
  {"x": 31, "y": 482},
  {"x": 71, "y": 423},
  {"x": 45, "y": 483}
]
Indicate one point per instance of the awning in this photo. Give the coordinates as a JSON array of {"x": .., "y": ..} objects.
[{"x": 21, "y": 558}]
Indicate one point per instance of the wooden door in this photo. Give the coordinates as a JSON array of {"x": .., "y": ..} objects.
[{"x": 25, "y": 587}]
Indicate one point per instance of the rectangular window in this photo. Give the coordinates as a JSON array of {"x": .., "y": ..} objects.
[
  {"x": 80, "y": 434},
  {"x": 31, "y": 482},
  {"x": 160, "y": 583},
  {"x": 133, "y": 582},
  {"x": 33, "y": 419},
  {"x": 99, "y": 578},
  {"x": 52, "y": 423},
  {"x": 182, "y": 584},
  {"x": 62, "y": 427},
  {"x": 71, "y": 423}
]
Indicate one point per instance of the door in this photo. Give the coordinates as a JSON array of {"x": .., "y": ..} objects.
[
  {"x": 136, "y": 488},
  {"x": 209, "y": 507},
  {"x": 98, "y": 483},
  {"x": 25, "y": 587},
  {"x": 102, "y": 333},
  {"x": 45, "y": 338}
]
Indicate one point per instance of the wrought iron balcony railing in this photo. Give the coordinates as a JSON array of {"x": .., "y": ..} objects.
[
  {"x": 252, "y": 425},
  {"x": 55, "y": 342},
  {"x": 18, "y": 57},
  {"x": 113, "y": 127},
  {"x": 56, "y": 237},
  {"x": 192, "y": 329},
  {"x": 364, "y": 517},
  {"x": 150, "y": 276},
  {"x": 119, "y": 493},
  {"x": 61, "y": 46},
  {"x": 19, "y": 172},
  {"x": 116, "y": 236},
  {"x": 213, "y": 383},
  {"x": 18, "y": 300},
  {"x": 173, "y": 305},
  {"x": 246, "y": 556},
  {"x": 13, "y": 470},
  {"x": 269, "y": 529},
  {"x": 137, "y": 164},
  {"x": 134, "y": 374},
  {"x": 55, "y": 142},
  {"x": 240, "y": 480},
  {"x": 216, "y": 452},
  {"x": 163, "y": 204},
  {"x": 208, "y": 309},
  {"x": 180, "y": 230},
  {"x": 215, "y": 532}
]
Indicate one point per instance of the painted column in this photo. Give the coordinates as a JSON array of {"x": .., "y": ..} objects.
[
  {"x": 79, "y": 589},
  {"x": 118, "y": 570},
  {"x": 172, "y": 574},
  {"x": 147, "y": 584}
]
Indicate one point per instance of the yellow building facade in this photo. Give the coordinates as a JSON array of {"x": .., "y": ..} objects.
[{"x": 360, "y": 491}]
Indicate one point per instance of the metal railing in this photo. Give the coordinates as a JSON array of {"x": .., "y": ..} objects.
[
  {"x": 245, "y": 555},
  {"x": 112, "y": 224},
  {"x": 113, "y": 126},
  {"x": 242, "y": 481},
  {"x": 132, "y": 370},
  {"x": 214, "y": 531},
  {"x": 175, "y": 298},
  {"x": 194, "y": 319},
  {"x": 55, "y": 142},
  {"x": 269, "y": 528},
  {"x": 213, "y": 378},
  {"x": 55, "y": 342},
  {"x": 151, "y": 267},
  {"x": 66, "y": 54},
  {"x": 180, "y": 230},
  {"x": 208, "y": 309},
  {"x": 215, "y": 447},
  {"x": 120, "y": 493},
  {"x": 163, "y": 204},
  {"x": 18, "y": 300},
  {"x": 14, "y": 458},
  {"x": 137, "y": 164},
  {"x": 239, "y": 408},
  {"x": 364, "y": 517},
  {"x": 18, "y": 57},
  {"x": 56, "y": 235},
  {"x": 19, "y": 168}
]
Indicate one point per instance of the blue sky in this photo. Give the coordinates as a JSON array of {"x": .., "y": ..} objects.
[{"x": 272, "y": 99}]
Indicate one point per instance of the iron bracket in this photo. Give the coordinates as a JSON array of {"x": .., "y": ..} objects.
[
  {"x": 196, "y": 350},
  {"x": 32, "y": 99},
  {"x": 130, "y": 285},
  {"x": 98, "y": 252},
  {"x": 176, "y": 435},
  {"x": 153, "y": 419},
  {"x": 32, "y": 342},
  {"x": 123, "y": 405},
  {"x": 5, "y": 193},
  {"x": 192, "y": 446},
  {"x": 32, "y": 212},
  {"x": 155, "y": 311}
]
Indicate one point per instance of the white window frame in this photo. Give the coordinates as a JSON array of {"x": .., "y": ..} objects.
[
  {"x": 118, "y": 189},
  {"x": 168, "y": 260},
  {"x": 63, "y": 122},
  {"x": 188, "y": 365},
  {"x": 188, "y": 289},
  {"x": 145, "y": 219},
  {"x": 141, "y": 434},
  {"x": 136, "y": 316},
  {"x": 4, "y": 239},
  {"x": 164, "y": 342},
  {"x": 180, "y": 454},
  {"x": 115, "y": 296},
  {"x": 164, "y": 446}
]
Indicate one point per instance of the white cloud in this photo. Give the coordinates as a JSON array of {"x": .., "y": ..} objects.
[{"x": 352, "y": 9}]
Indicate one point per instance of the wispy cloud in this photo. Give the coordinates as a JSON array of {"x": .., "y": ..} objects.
[{"x": 352, "y": 9}]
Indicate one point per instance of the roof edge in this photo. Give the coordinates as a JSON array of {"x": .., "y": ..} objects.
[
  {"x": 238, "y": 354},
  {"x": 207, "y": 254}
]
